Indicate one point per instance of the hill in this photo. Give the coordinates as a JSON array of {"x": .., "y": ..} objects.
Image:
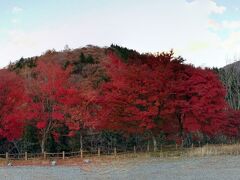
[
  {"x": 110, "y": 97},
  {"x": 230, "y": 77},
  {"x": 234, "y": 65},
  {"x": 85, "y": 62}
]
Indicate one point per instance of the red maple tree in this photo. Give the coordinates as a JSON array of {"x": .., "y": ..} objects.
[
  {"x": 48, "y": 90},
  {"x": 197, "y": 104},
  {"x": 160, "y": 94},
  {"x": 12, "y": 105},
  {"x": 133, "y": 100}
]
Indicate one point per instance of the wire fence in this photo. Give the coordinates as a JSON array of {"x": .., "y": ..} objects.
[{"x": 163, "y": 151}]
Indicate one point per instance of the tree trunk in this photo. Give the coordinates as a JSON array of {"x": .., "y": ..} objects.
[
  {"x": 43, "y": 145},
  {"x": 43, "y": 141},
  {"x": 180, "y": 117},
  {"x": 15, "y": 145},
  {"x": 154, "y": 143},
  {"x": 44, "y": 138},
  {"x": 81, "y": 142}
]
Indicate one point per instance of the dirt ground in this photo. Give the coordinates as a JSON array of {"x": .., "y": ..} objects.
[{"x": 141, "y": 167}]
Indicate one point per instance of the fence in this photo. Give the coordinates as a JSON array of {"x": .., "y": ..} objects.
[{"x": 163, "y": 151}]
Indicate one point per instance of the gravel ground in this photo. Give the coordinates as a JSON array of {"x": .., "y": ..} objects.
[{"x": 221, "y": 167}]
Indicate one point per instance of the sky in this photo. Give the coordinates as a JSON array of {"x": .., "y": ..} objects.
[{"x": 204, "y": 32}]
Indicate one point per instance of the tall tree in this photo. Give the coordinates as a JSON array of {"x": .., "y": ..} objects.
[
  {"x": 198, "y": 103},
  {"x": 12, "y": 105},
  {"x": 133, "y": 100},
  {"x": 48, "y": 91},
  {"x": 160, "y": 94}
]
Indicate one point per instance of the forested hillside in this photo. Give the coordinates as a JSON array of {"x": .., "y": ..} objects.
[
  {"x": 114, "y": 97},
  {"x": 230, "y": 76}
]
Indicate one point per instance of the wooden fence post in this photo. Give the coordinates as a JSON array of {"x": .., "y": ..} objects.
[
  {"x": 26, "y": 156},
  {"x": 115, "y": 151},
  {"x": 81, "y": 153},
  {"x": 99, "y": 152},
  {"x": 63, "y": 155},
  {"x": 7, "y": 156}
]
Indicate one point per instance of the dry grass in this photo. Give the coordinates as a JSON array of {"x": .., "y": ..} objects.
[
  {"x": 213, "y": 150},
  {"x": 207, "y": 150}
]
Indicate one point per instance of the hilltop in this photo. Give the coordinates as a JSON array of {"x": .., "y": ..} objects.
[{"x": 111, "y": 96}]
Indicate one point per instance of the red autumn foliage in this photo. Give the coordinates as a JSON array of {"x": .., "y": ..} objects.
[
  {"x": 135, "y": 95},
  {"x": 232, "y": 126},
  {"x": 12, "y": 105},
  {"x": 198, "y": 103},
  {"x": 160, "y": 95},
  {"x": 75, "y": 106},
  {"x": 50, "y": 92},
  {"x": 206, "y": 104},
  {"x": 154, "y": 94}
]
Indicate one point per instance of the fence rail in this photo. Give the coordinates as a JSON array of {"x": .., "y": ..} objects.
[{"x": 163, "y": 151}]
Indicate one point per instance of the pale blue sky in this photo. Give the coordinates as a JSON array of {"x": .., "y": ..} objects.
[{"x": 205, "y": 32}]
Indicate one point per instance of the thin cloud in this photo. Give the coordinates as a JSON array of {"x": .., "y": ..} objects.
[
  {"x": 151, "y": 27},
  {"x": 16, "y": 10}
]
